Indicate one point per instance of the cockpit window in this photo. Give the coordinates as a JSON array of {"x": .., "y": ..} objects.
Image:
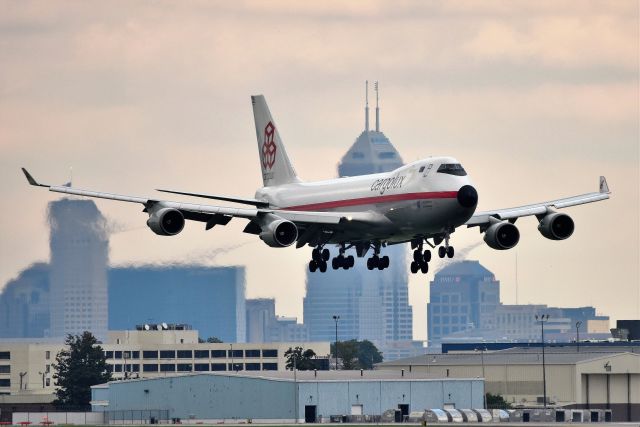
[
  {"x": 421, "y": 169},
  {"x": 452, "y": 169}
]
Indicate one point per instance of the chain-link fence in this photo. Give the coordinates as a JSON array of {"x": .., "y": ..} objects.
[{"x": 141, "y": 416}]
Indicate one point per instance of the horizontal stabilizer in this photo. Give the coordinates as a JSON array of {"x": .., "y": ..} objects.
[{"x": 252, "y": 202}]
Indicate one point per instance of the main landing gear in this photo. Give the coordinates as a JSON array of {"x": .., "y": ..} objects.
[
  {"x": 376, "y": 261},
  {"x": 422, "y": 258},
  {"x": 341, "y": 261},
  {"x": 319, "y": 258}
]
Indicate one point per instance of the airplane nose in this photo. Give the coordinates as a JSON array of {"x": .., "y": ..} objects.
[{"x": 467, "y": 196}]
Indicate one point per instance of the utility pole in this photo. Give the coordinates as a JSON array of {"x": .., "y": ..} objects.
[
  {"x": 482, "y": 350},
  {"x": 542, "y": 319},
  {"x": 336, "y": 318},
  {"x": 578, "y": 336}
]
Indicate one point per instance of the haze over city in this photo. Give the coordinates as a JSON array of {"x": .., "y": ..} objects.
[{"x": 535, "y": 101}]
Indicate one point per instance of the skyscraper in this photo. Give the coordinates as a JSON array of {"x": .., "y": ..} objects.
[
  {"x": 79, "y": 246},
  {"x": 24, "y": 304},
  {"x": 372, "y": 305},
  {"x": 463, "y": 296},
  {"x": 211, "y": 299}
]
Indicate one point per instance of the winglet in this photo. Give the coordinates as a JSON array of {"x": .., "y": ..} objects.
[
  {"x": 604, "y": 188},
  {"x": 31, "y": 180}
]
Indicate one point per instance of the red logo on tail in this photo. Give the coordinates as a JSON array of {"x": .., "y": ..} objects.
[{"x": 269, "y": 147}]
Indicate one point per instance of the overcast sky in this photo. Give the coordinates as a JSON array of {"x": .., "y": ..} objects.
[{"x": 535, "y": 98}]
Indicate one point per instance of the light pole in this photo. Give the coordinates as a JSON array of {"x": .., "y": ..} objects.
[
  {"x": 125, "y": 356},
  {"x": 543, "y": 318},
  {"x": 336, "y": 318},
  {"x": 578, "y": 336},
  {"x": 482, "y": 350}
]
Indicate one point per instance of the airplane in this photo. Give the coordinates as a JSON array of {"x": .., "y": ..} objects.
[{"x": 421, "y": 203}]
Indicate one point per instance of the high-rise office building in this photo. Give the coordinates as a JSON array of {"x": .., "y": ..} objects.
[
  {"x": 264, "y": 326},
  {"x": 372, "y": 305},
  {"x": 24, "y": 304},
  {"x": 463, "y": 296},
  {"x": 79, "y": 246},
  {"x": 211, "y": 299}
]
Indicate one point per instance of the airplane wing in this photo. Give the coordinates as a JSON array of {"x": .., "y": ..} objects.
[
  {"x": 214, "y": 215},
  {"x": 511, "y": 214}
]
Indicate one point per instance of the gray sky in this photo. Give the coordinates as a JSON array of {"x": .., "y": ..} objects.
[{"x": 535, "y": 98}]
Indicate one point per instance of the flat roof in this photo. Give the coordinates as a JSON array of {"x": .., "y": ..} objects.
[
  {"x": 317, "y": 376},
  {"x": 512, "y": 356}
]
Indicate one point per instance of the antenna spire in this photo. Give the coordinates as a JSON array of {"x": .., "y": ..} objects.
[
  {"x": 377, "y": 109},
  {"x": 366, "y": 108}
]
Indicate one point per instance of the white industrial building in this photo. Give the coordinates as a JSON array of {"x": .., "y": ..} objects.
[
  {"x": 591, "y": 378},
  {"x": 285, "y": 396}
]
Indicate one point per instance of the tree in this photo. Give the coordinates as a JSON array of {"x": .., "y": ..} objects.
[
  {"x": 300, "y": 359},
  {"x": 496, "y": 401},
  {"x": 77, "y": 368},
  {"x": 357, "y": 354}
]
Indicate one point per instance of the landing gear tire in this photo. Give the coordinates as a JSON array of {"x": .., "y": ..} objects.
[
  {"x": 427, "y": 255},
  {"x": 417, "y": 256},
  {"x": 335, "y": 263},
  {"x": 450, "y": 252},
  {"x": 424, "y": 268},
  {"x": 322, "y": 267},
  {"x": 370, "y": 265},
  {"x": 313, "y": 266},
  {"x": 414, "y": 267},
  {"x": 350, "y": 261},
  {"x": 384, "y": 262},
  {"x": 442, "y": 251},
  {"x": 316, "y": 255},
  {"x": 325, "y": 254}
]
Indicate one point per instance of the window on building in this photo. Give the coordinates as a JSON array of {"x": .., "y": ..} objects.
[
  {"x": 47, "y": 355},
  {"x": 218, "y": 353},
  {"x": 5, "y": 355},
  {"x": 169, "y": 367},
  {"x": 252, "y": 353},
  {"x": 201, "y": 367},
  {"x": 185, "y": 354},
  {"x": 201, "y": 354},
  {"x": 135, "y": 354},
  {"x": 184, "y": 367},
  {"x": 236, "y": 353},
  {"x": 387, "y": 155},
  {"x": 167, "y": 354},
  {"x": 117, "y": 368},
  {"x": 147, "y": 367},
  {"x": 252, "y": 366},
  {"x": 269, "y": 366},
  {"x": 47, "y": 382},
  {"x": 235, "y": 366},
  {"x": 269, "y": 353},
  {"x": 445, "y": 309},
  {"x": 47, "y": 368},
  {"x": 135, "y": 367},
  {"x": 150, "y": 354},
  {"x": 108, "y": 354},
  {"x": 117, "y": 354},
  {"x": 5, "y": 382},
  {"x": 357, "y": 155},
  {"x": 218, "y": 367},
  {"x": 5, "y": 369}
]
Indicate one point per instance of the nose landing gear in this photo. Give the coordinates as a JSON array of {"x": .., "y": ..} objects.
[{"x": 446, "y": 250}]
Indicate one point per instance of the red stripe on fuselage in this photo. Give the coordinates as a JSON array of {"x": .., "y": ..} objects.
[{"x": 373, "y": 200}]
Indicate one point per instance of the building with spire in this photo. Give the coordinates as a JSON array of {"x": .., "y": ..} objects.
[{"x": 372, "y": 305}]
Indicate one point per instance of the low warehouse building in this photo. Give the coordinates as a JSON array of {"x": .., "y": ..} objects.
[
  {"x": 591, "y": 378},
  {"x": 307, "y": 396}
]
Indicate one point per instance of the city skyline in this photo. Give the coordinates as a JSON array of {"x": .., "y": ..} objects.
[{"x": 544, "y": 95}]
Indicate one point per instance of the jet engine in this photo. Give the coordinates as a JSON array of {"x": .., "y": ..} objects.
[
  {"x": 166, "y": 222},
  {"x": 502, "y": 235},
  {"x": 279, "y": 233},
  {"x": 556, "y": 226}
]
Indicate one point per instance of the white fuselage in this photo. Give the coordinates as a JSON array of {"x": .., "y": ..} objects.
[{"x": 415, "y": 198}]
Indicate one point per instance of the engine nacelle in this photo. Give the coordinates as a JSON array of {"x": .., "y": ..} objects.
[
  {"x": 502, "y": 235},
  {"x": 279, "y": 233},
  {"x": 166, "y": 222},
  {"x": 556, "y": 226}
]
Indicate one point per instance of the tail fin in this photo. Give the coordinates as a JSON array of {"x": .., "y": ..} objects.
[{"x": 275, "y": 164}]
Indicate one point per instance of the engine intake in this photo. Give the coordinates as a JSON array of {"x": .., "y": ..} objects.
[
  {"x": 166, "y": 222},
  {"x": 556, "y": 226},
  {"x": 279, "y": 233},
  {"x": 502, "y": 235}
]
